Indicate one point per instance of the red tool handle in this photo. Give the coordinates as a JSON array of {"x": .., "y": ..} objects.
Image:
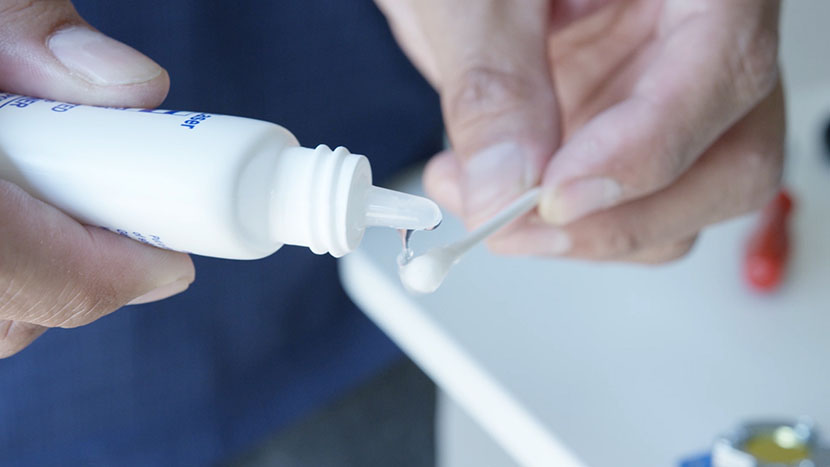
[{"x": 769, "y": 246}]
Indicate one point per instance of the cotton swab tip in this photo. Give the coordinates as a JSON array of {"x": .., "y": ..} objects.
[{"x": 424, "y": 274}]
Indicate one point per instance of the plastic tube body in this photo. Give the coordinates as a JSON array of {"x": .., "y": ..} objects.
[{"x": 208, "y": 184}]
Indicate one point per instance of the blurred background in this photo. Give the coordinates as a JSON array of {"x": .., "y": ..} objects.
[{"x": 269, "y": 362}]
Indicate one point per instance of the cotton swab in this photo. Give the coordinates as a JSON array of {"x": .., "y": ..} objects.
[{"x": 425, "y": 273}]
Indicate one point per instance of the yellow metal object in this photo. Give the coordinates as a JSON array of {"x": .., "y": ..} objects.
[{"x": 782, "y": 446}]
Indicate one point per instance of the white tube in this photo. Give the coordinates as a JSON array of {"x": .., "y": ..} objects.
[{"x": 207, "y": 184}]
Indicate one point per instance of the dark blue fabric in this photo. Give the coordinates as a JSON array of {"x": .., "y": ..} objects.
[
  {"x": 701, "y": 461},
  {"x": 252, "y": 345}
]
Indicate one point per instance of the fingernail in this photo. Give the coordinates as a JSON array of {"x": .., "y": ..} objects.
[
  {"x": 441, "y": 181},
  {"x": 445, "y": 191},
  {"x": 99, "y": 59},
  {"x": 578, "y": 199},
  {"x": 162, "y": 292},
  {"x": 494, "y": 177}
]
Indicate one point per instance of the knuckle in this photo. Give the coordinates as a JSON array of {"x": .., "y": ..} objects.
[
  {"x": 675, "y": 253},
  {"x": 23, "y": 300},
  {"x": 665, "y": 169},
  {"x": 483, "y": 92},
  {"x": 669, "y": 156},
  {"x": 85, "y": 306},
  {"x": 16, "y": 7},
  {"x": 36, "y": 286},
  {"x": 36, "y": 8},
  {"x": 11, "y": 293},
  {"x": 622, "y": 242},
  {"x": 43, "y": 16},
  {"x": 15, "y": 205},
  {"x": 15, "y": 10},
  {"x": 13, "y": 277},
  {"x": 611, "y": 241},
  {"x": 756, "y": 71}
]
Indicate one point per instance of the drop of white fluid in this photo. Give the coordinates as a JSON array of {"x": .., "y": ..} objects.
[{"x": 425, "y": 273}]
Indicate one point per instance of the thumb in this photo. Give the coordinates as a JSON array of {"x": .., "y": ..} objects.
[
  {"x": 497, "y": 96},
  {"x": 48, "y": 50},
  {"x": 56, "y": 272}
]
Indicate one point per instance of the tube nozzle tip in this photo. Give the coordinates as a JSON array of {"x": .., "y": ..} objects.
[{"x": 397, "y": 210}]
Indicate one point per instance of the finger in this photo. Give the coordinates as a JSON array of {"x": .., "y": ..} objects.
[
  {"x": 56, "y": 272},
  {"x": 545, "y": 240},
  {"x": 565, "y": 12},
  {"x": 48, "y": 50},
  {"x": 17, "y": 335},
  {"x": 496, "y": 92},
  {"x": 686, "y": 98},
  {"x": 442, "y": 176},
  {"x": 737, "y": 175},
  {"x": 662, "y": 254},
  {"x": 409, "y": 32}
]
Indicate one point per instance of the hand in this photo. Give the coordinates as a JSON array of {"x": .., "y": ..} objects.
[
  {"x": 55, "y": 272},
  {"x": 644, "y": 120}
]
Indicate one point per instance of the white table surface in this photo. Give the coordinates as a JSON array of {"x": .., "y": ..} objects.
[{"x": 570, "y": 363}]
